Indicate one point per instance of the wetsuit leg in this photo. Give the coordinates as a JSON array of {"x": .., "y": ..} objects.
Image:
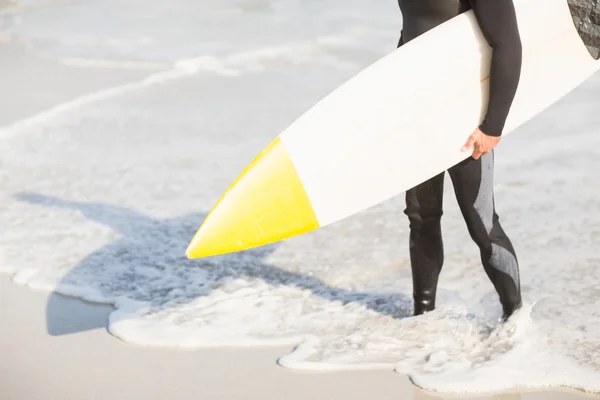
[
  {"x": 473, "y": 185},
  {"x": 424, "y": 211},
  {"x": 424, "y": 202}
]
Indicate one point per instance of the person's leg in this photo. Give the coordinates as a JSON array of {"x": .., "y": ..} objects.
[
  {"x": 473, "y": 185},
  {"x": 424, "y": 202},
  {"x": 424, "y": 211}
]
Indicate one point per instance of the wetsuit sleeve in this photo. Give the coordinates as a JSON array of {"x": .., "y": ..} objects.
[{"x": 498, "y": 23}]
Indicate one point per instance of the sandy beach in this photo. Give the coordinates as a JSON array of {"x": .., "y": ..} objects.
[
  {"x": 65, "y": 232},
  {"x": 92, "y": 364}
]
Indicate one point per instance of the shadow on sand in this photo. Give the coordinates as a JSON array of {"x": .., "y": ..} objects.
[{"x": 148, "y": 247}]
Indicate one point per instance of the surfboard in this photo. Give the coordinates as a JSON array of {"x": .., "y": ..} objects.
[{"x": 397, "y": 123}]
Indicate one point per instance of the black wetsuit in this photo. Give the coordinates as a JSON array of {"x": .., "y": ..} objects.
[{"x": 472, "y": 179}]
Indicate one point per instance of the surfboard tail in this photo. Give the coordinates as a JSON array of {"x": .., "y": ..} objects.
[{"x": 265, "y": 204}]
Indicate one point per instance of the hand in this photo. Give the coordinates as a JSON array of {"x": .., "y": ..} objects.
[{"x": 483, "y": 143}]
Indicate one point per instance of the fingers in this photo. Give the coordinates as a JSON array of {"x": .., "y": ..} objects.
[
  {"x": 482, "y": 144},
  {"x": 481, "y": 149},
  {"x": 470, "y": 142}
]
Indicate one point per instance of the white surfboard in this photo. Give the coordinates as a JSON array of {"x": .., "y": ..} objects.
[{"x": 394, "y": 125}]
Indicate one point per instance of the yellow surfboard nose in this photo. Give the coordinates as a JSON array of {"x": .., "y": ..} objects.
[{"x": 265, "y": 204}]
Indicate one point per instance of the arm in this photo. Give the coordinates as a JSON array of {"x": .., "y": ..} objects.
[{"x": 498, "y": 23}]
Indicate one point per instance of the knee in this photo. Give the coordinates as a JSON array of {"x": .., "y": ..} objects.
[
  {"x": 479, "y": 232},
  {"x": 423, "y": 220},
  {"x": 424, "y": 204}
]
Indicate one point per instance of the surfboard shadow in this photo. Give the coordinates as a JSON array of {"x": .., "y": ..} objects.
[{"x": 132, "y": 265}]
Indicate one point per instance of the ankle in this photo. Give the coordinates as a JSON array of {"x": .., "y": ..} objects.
[
  {"x": 509, "y": 310},
  {"x": 422, "y": 306}
]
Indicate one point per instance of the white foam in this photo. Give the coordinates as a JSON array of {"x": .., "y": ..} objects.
[
  {"x": 503, "y": 359},
  {"x": 45, "y": 116},
  {"x": 233, "y": 65},
  {"x": 117, "y": 64}
]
